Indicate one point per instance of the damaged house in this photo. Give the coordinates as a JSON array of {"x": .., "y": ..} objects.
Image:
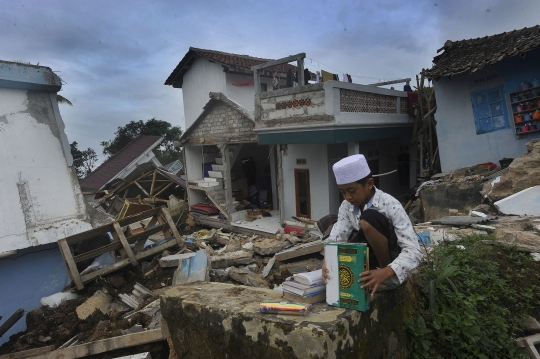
[
  {"x": 225, "y": 126},
  {"x": 315, "y": 125},
  {"x": 280, "y": 154},
  {"x": 488, "y": 97},
  {"x": 41, "y": 198}
]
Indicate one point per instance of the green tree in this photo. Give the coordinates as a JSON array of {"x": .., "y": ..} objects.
[
  {"x": 84, "y": 161},
  {"x": 165, "y": 153}
]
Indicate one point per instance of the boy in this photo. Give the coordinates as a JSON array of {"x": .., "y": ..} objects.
[{"x": 381, "y": 222}]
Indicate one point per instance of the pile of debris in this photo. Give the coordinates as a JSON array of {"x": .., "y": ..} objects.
[
  {"x": 511, "y": 189},
  {"x": 124, "y": 302}
]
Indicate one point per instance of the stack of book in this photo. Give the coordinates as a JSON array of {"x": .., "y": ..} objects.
[{"x": 306, "y": 287}]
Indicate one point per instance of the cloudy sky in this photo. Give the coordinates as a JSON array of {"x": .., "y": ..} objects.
[{"x": 115, "y": 56}]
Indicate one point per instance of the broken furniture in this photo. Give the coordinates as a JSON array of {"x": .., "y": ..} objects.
[{"x": 160, "y": 221}]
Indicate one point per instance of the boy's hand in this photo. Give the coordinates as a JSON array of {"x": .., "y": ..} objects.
[
  {"x": 325, "y": 272},
  {"x": 373, "y": 278}
]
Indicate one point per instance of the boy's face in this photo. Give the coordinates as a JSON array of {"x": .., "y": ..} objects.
[{"x": 356, "y": 193}]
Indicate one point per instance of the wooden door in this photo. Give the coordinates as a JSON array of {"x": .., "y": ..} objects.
[{"x": 303, "y": 200}]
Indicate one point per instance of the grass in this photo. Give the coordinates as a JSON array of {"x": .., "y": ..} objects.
[{"x": 474, "y": 298}]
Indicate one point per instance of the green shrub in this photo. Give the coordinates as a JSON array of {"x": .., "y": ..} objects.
[{"x": 474, "y": 298}]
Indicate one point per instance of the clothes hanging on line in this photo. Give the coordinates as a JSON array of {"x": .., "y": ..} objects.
[
  {"x": 317, "y": 76},
  {"x": 349, "y": 78},
  {"x": 307, "y": 76},
  {"x": 326, "y": 76}
]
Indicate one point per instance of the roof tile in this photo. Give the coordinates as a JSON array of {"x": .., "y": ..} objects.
[
  {"x": 117, "y": 162},
  {"x": 472, "y": 55}
]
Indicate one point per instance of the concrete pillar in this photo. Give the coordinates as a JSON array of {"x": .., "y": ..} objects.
[
  {"x": 300, "y": 65},
  {"x": 273, "y": 177},
  {"x": 353, "y": 148}
]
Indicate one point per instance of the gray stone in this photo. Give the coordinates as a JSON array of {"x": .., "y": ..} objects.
[{"x": 217, "y": 320}]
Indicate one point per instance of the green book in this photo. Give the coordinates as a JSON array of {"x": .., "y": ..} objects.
[{"x": 345, "y": 262}]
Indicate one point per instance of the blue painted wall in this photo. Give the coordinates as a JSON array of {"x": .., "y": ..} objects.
[
  {"x": 34, "y": 273},
  {"x": 459, "y": 145}
]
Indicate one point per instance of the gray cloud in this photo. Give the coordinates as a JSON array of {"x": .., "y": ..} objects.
[{"x": 115, "y": 55}]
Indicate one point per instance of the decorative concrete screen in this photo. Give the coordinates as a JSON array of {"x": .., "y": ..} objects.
[{"x": 358, "y": 101}]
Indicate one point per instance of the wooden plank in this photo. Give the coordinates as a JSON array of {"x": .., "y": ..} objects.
[
  {"x": 79, "y": 237},
  {"x": 167, "y": 186},
  {"x": 152, "y": 251},
  {"x": 147, "y": 233},
  {"x": 28, "y": 353},
  {"x": 124, "y": 262},
  {"x": 108, "y": 269},
  {"x": 300, "y": 250},
  {"x": 281, "y": 61},
  {"x": 11, "y": 321},
  {"x": 142, "y": 189},
  {"x": 137, "y": 217},
  {"x": 97, "y": 252},
  {"x": 125, "y": 243},
  {"x": 105, "y": 345},
  {"x": 64, "y": 247},
  {"x": 153, "y": 182},
  {"x": 172, "y": 226}
]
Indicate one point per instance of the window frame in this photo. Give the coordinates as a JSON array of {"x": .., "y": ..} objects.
[{"x": 481, "y": 127}]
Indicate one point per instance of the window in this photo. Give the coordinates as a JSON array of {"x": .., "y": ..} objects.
[
  {"x": 303, "y": 201},
  {"x": 489, "y": 110},
  {"x": 264, "y": 87}
]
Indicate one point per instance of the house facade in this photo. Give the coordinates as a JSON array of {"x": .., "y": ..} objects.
[
  {"x": 316, "y": 125},
  {"x": 479, "y": 84},
  {"x": 41, "y": 198},
  {"x": 284, "y": 150}
]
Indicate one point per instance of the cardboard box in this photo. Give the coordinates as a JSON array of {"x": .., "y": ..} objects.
[{"x": 345, "y": 262}]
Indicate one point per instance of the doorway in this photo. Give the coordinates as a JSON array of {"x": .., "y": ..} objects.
[{"x": 303, "y": 200}]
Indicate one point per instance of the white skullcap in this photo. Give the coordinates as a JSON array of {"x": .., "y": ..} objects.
[{"x": 351, "y": 169}]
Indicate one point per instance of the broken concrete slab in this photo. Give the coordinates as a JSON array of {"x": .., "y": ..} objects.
[
  {"x": 300, "y": 250},
  {"x": 462, "y": 220},
  {"x": 174, "y": 260},
  {"x": 99, "y": 301},
  {"x": 526, "y": 240},
  {"x": 526, "y": 202},
  {"x": 247, "y": 277},
  {"x": 191, "y": 269},
  {"x": 218, "y": 275},
  {"x": 438, "y": 198},
  {"x": 230, "y": 259},
  {"x": 269, "y": 246},
  {"x": 217, "y": 320}
]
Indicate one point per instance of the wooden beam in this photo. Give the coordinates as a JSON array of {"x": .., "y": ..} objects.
[
  {"x": 125, "y": 243},
  {"x": 172, "y": 226},
  {"x": 167, "y": 186},
  {"x": 28, "y": 353},
  {"x": 105, "y": 345},
  {"x": 196, "y": 140},
  {"x": 284, "y": 60},
  {"x": 398, "y": 81},
  {"x": 66, "y": 253},
  {"x": 153, "y": 182},
  {"x": 11, "y": 321},
  {"x": 142, "y": 189}
]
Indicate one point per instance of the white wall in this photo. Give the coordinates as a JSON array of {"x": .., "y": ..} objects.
[
  {"x": 203, "y": 77},
  {"x": 459, "y": 145},
  {"x": 317, "y": 163},
  {"x": 41, "y": 198}
]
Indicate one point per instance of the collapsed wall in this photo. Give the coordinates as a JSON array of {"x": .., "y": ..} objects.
[{"x": 523, "y": 172}]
